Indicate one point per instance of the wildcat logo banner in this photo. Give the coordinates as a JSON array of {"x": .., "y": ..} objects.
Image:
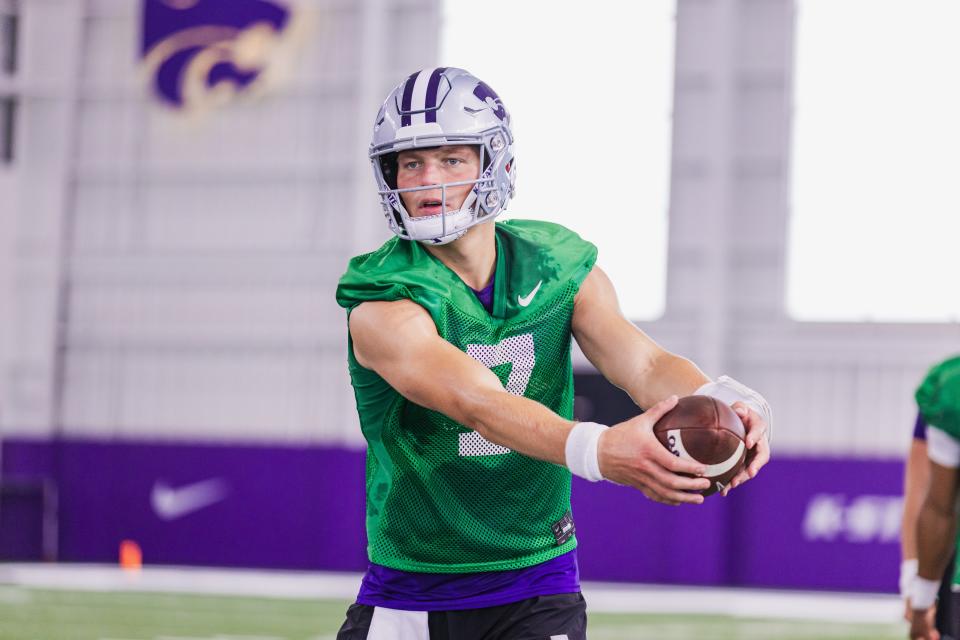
[{"x": 202, "y": 53}]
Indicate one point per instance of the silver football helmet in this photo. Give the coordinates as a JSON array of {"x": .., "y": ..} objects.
[{"x": 436, "y": 107}]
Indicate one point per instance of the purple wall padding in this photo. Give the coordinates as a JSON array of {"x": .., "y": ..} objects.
[
  {"x": 623, "y": 536},
  {"x": 287, "y": 508},
  {"x": 802, "y": 524},
  {"x": 824, "y": 524}
]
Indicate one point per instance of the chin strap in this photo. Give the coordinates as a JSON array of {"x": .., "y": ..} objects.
[{"x": 429, "y": 229}]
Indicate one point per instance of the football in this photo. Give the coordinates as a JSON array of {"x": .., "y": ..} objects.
[{"x": 708, "y": 431}]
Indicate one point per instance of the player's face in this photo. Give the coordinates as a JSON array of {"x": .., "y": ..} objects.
[{"x": 436, "y": 165}]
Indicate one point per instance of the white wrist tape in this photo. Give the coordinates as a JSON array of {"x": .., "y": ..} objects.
[
  {"x": 923, "y": 593},
  {"x": 581, "y": 450},
  {"x": 908, "y": 571},
  {"x": 728, "y": 390}
]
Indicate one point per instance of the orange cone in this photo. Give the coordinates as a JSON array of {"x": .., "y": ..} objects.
[{"x": 131, "y": 558}]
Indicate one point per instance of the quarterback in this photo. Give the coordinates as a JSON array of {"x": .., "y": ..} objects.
[{"x": 459, "y": 354}]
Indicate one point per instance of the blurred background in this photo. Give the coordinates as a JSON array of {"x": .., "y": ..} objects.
[{"x": 182, "y": 182}]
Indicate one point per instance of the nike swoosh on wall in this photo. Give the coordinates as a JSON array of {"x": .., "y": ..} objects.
[{"x": 170, "y": 503}]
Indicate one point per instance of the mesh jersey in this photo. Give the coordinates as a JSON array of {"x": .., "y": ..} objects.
[
  {"x": 439, "y": 497},
  {"x": 938, "y": 399}
]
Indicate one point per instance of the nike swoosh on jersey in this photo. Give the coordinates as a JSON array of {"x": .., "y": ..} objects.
[
  {"x": 524, "y": 301},
  {"x": 171, "y": 503}
]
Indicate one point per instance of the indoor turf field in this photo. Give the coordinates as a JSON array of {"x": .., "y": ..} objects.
[{"x": 37, "y": 614}]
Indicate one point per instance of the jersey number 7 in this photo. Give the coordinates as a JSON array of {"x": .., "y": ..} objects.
[{"x": 519, "y": 352}]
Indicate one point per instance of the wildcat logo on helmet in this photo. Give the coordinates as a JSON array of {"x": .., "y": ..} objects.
[
  {"x": 199, "y": 53},
  {"x": 489, "y": 96}
]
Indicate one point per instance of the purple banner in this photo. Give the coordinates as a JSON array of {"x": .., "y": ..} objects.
[
  {"x": 827, "y": 524},
  {"x": 821, "y": 524},
  {"x": 211, "y": 505},
  {"x": 802, "y": 524},
  {"x": 623, "y": 536}
]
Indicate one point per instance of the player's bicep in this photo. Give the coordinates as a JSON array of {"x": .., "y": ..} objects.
[
  {"x": 942, "y": 490},
  {"x": 400, "y": 342},
  {"x": 944, "y": 452}
]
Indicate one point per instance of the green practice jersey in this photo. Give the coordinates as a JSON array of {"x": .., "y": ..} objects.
[
  {"x": 938, "y": 397},
  {"x": 440, "y": 498}
]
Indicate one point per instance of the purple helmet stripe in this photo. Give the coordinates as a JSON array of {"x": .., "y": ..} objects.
[
  {"x": 432, "y": 86},
  {"x": 407, "y": 98}
]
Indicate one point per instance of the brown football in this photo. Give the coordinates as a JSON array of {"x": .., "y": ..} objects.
[{"x": 705, "y": 430}]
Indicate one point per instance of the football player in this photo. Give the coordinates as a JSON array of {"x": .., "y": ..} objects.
[
  {"x": 938, "y": 399},
  {"x": 459, "y": 354},
  {"x": 916, "y": 480}
]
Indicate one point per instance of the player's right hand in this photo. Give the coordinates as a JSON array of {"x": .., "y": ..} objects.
[{"x": 631, "y": 455}]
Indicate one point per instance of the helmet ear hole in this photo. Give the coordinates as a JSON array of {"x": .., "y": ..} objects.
[
  {"x": 388, "y": 166},
  {"x": 399, "y": 220}
]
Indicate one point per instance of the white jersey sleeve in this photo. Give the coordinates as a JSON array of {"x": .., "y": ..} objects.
[{"x": 942, "y": 448}]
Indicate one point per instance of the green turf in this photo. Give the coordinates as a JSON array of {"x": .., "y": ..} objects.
[{"x": 29, "y": 614}]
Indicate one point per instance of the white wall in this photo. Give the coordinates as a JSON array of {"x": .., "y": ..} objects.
[
  {"x": 174, "y": 277},
  {"x": 202, "y": 253},
  {"x": 8, "y": 205},
  {"x": 46, "y": 85},
  {"x": 834, "y": 388}
]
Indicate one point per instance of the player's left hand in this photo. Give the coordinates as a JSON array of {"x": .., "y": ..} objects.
[
  {"x": 758, "y": 449},
  {"x": 922, "y": 625}
]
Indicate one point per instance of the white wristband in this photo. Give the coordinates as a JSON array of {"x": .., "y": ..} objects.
[
  {"x": 923, "y": 593},
  {"x": 581, "y": 450},
  {"x": 908, "y": 571},
  {"x": 728, "y": 390}
]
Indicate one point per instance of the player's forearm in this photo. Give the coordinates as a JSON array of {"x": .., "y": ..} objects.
[
  {"x": 935, "y": 534},
  {"x": 518, "y": 423},
  {"x": 624, "y": 354},
  {"x": 916, "y": 478},
  {"x": 631, "y": 361},
  {"x": 908, "y": 535},
  {"x": 648, "y": 377},
  {"x": 667, "y": 374}
]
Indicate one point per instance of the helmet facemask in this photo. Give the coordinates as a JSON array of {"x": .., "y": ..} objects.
[{"x": 448, "y": 225}]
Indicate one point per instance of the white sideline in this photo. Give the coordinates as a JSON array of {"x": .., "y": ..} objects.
[
  {"x": 856, "y": 608},
  {"x": 601, "y": 597},
  {"x": 196, "y": 580}
]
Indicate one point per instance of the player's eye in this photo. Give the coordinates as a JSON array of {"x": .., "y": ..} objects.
[
  {"x": 454, "y": 161},
  {"x": 410, "y": 165}
]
